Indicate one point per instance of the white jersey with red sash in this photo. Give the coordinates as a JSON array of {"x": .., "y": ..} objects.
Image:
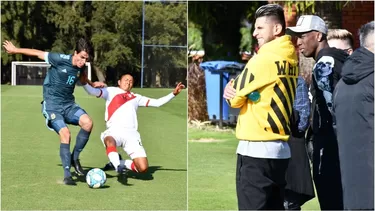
[{"x": 121, "y": 107}]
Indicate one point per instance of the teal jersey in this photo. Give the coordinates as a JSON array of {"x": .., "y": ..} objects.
[{"x": 62, "y": 76}]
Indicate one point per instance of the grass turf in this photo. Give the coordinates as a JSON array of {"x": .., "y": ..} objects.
[
  {"x": 212, "y": 169},
  {"x": 31, "y": 172}
]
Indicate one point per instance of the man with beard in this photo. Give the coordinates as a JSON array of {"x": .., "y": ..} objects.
[{"x": 265, "y": 93}]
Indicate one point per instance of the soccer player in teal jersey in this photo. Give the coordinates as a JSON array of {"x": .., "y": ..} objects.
[{"x": 58, "y": 106}]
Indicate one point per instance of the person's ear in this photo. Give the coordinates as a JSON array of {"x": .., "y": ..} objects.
[
  {"x": 319, "y": 36},
  {"x": 277, "y": 29},
  {"x": 350, "y": 51}
]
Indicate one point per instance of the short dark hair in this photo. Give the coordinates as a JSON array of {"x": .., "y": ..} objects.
[
  {"x": 124, "y": 74},
  {"x": 85, "y": 45},
  {"x": 366, "y": 30},
  {"x": 272, "y": 10}
]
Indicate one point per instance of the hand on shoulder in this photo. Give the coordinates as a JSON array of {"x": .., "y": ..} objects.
[{"x": 99, "y": 84}]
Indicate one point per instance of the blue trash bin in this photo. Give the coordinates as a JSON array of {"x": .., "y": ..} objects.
[
  {"x": 212, "y": 70},
  {"x": 213, "y": 94}
]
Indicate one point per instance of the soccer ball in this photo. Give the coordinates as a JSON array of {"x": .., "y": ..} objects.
[{"x": 96, "y": 178}]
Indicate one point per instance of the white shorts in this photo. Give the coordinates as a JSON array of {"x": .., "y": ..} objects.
[{"x": 130, "y": 141}]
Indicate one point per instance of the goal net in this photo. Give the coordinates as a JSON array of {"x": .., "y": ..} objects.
[{"x": 33, "y": 73}]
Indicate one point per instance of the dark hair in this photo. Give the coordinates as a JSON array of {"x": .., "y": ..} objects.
[
  {"x": 122, "y": 75},
  {"x": 84, "y": 45},
  {"x": 366, "y": 30},
  {"x": 272, "y": 10}
]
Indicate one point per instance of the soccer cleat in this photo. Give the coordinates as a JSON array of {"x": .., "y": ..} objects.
[
  {"x": 69, "y": 181},
  {"x": 121, "y": 169},
  {"x": 77, "y": 167},
  {"x": 108, "y": 166}
]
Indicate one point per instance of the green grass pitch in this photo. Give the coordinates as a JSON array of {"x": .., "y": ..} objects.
[
  {"x": 31, "y": 172},
  {"x": 212, "y": 171}
]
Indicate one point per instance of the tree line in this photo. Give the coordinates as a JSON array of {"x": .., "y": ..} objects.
[{"x": 114, "y": 28}]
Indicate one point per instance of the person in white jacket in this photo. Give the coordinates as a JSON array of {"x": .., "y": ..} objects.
[{"x": 122, "y": 124}]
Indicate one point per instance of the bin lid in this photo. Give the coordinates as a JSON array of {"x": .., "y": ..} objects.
[{"x": 222, "y": 66}]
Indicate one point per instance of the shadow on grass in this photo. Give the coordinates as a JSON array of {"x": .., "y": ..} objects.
[
  {"x": 148, "y": 175},
  {"x": 123, "y": 178},
  {"x": 85, "y": 169},
  {"x": 103, "y": 187}
]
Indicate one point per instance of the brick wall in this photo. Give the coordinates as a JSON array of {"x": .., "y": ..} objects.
[{"x": 355, "y": 15}]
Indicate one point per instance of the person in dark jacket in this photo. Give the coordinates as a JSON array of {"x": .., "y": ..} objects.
[
  {"x": 299, "y": 186},
  {"x": 354, "y": 112},
  {"x": 311, "y": 31}
]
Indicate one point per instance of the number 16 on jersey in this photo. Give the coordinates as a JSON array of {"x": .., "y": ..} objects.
[{"x": 70, "y": 80}]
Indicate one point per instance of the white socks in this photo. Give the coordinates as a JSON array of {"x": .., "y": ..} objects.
[
  {"x": 114, "y": 158},
  {"x": 129, "y": 164}
]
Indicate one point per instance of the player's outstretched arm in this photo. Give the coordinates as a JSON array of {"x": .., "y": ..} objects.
[
  {"x": 11, "y": 49},
  {"x": 97, "y": 92},
  {"x": 163, "y": 100}
]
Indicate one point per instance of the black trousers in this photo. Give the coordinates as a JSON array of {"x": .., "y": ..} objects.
[
  {"x": 326, "y": 171},
  {"x": 260, "y": 183},
  {"x": 299, "y": 188},
  {"x": 293, "y": 200}
]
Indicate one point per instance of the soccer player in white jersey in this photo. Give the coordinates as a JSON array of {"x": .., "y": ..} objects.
[{"x": 122, "y": 124}]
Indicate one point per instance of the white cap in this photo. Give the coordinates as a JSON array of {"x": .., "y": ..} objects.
[{"x": 308, "y": 23}]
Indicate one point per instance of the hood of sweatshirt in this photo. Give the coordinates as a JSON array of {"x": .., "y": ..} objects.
[
  {"x": 358, "y": 66},
  {"x": 282, "y": 47}
]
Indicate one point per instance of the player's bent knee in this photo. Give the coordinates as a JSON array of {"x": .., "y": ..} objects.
[
  {"x": 86, "y": 122},
  {"x": 109, "y": 141},
  {"x": 141, "y": 164},
  {"x": 64, "y": 135},
  {"x": 142, "y": 169}
]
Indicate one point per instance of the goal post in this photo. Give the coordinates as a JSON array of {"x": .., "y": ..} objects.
[{"x": 33, "y": 73}]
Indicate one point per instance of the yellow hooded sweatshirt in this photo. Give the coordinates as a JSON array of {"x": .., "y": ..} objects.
[{"x": 273, "y": 72}]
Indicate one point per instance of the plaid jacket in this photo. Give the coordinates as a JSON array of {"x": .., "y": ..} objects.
[{"x": 302, "y": 104}]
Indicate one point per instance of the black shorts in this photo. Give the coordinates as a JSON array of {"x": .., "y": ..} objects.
[{"x": 260, "y": 183}]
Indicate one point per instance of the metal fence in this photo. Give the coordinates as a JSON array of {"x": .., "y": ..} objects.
[{"x": 157, "y": 71}]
